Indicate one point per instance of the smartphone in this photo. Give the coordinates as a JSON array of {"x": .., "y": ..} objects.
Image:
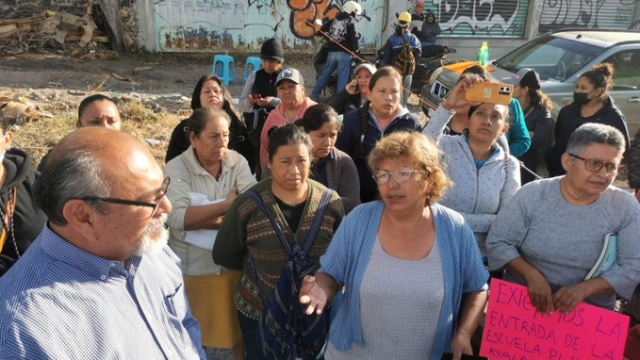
[
  {"x": 256, "y": 96},
  {"x": 488, "y": 92},
  {"x": 449, "y": 356}
]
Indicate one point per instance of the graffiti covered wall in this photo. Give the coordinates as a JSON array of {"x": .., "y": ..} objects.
[
  {"x": 200, "y": 25},
  {"x": 481, "y": 18},
  {"x": 598, "y": 14}
]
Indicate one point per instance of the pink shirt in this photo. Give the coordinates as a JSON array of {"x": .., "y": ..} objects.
[{"x": 277, "y": 118}]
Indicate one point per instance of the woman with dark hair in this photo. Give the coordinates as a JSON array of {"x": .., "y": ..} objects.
[
  {"x": 484, "y": 175},
  {"x": 210, "y": 91},
  {"x": 356, "y": 92},
  {"x": 517, "y": 137},
  {"x": 260, "y": 94},
  {"x": 380, "y": 116},
  {"x": 206, "y": 180},
  {"x": 591, "y": 104},
  {"x": 20, "y": 220},
  {"x": 247, "y": 232},
  {"x": 329, "y": 166},
  {"x": 537, "y": 114}
]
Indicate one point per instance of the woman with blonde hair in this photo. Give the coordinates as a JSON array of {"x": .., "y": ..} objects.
[{"x": 407, "y": 269}]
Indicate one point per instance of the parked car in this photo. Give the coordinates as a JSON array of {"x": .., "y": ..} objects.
[{"x": 560, "y": 57}]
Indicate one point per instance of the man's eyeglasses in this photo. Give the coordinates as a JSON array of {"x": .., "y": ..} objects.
[
  {"x": 161, "y": 193},
  {"x": 401, "y": 174},
  {"x": 597, "y": 165}
]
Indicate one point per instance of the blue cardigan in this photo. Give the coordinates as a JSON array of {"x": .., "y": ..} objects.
[{"x": 348, "y": 256}]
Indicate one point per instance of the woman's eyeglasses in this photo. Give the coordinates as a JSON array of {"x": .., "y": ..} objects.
[
  {"x": 597, "y": 165},
  {"x": 400, "y": 175}
]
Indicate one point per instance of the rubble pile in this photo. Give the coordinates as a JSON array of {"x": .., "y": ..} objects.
[{"x": 53, "y": 33}]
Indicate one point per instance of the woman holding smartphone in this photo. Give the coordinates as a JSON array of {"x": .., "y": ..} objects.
[
  {"x": 485, "y": 176},
  {"x": 356, "y": 92}
]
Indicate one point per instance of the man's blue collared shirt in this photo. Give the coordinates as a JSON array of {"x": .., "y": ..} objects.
[{"x": 61, "y": 302}]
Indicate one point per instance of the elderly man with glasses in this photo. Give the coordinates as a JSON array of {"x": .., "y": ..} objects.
[
  {"x": 99, "y": 282},
  {"x": 550, "y": 234}
]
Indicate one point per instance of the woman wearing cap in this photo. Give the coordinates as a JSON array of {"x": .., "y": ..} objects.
[
  {"x": 591, "y": 104},
  {"x": 484, "y": 175},
  {"x": 293, "y": 104},
  {"x": 356, "y": 92},
  {"x": 380, "y": 116},
  {"x": 259, "y": 91},
  {"x": 260, "y": 94},
  {"x": 537, "y": 114}
]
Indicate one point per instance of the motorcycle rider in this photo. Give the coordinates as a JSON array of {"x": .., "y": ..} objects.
[{"x": 343, "y": 41}]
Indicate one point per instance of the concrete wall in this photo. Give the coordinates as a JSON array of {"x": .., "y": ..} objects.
[{"x": 241, "y": 25}]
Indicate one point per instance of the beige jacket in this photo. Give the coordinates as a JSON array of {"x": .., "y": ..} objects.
[{"x": 187, "y": 176}]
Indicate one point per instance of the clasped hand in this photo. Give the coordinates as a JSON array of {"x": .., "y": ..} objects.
[{"x": 566, "y": 299}]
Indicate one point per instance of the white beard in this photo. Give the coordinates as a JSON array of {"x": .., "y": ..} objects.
[{"x": 155, "y": 237}]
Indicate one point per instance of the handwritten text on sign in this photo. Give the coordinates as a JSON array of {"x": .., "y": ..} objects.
[{"x": 514, "y": 330}]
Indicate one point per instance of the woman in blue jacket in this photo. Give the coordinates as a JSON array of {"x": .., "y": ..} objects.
[
  {"x": 413, "y": 280},
  {"x": 380, "y": 116}
]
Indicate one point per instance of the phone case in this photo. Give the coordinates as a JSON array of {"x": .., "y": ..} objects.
[{"x": 488, "y": 92}]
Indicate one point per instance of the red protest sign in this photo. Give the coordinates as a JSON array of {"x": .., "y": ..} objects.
[{"x": 514, "y": 330}]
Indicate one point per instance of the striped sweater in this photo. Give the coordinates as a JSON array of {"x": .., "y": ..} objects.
[{"x": 247, "y": 230}]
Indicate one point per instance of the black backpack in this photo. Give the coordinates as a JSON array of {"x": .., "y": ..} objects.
[
  {"x": 285, "y": 331},
  {"x": 405, "y": 60}
]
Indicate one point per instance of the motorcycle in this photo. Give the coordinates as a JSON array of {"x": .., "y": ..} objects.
[
  {"x": 433, "y": 57},
  {"x": 319, "y": 61}
]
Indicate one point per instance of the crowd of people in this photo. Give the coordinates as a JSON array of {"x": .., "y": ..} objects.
[{"x": 263, "y": 224}]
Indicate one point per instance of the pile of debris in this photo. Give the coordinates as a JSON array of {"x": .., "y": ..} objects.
[{"x": 61, "y": 33}]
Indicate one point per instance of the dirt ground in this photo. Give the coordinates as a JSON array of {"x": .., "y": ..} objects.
[
  {"x": 158, "y": 74},
  {"x": 154, "y": 91}
]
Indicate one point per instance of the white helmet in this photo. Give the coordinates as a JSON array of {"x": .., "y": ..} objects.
[{"x": 351, "y": 7}]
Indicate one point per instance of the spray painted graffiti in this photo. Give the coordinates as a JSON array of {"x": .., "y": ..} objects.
[
  {"x": 603, "y": 14},
  {"x": 193, "y": 25},
  {"x": 482, "y": 17}
]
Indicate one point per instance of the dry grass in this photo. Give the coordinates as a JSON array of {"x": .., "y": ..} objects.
[{"x": 39, "y": 134}]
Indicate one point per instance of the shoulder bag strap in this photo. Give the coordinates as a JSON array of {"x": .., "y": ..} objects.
[
  {"x": 317, "y": 221},
  {"x": 280, "y": 234}
]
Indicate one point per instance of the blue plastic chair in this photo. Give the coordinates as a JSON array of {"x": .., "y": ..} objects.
[
  {"x": 224, "y": 67},
  {"x": 253, "y": 63}
]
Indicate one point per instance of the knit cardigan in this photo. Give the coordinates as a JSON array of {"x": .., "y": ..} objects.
[{"x": 348, "y": 255}]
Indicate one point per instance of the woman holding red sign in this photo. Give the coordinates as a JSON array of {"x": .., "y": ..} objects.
[{"x": 551, "y": 234}]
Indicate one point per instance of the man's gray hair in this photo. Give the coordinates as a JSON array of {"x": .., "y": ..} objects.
[
  {"x": 592, "y": 133},
  {"x": 75, "y": 174}
]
